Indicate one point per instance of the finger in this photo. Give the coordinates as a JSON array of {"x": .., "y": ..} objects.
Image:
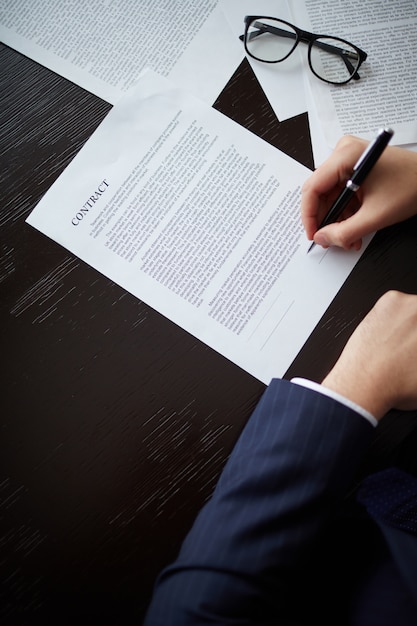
[
  {"x": 347, "y": 234},
  {"x": 324, "y": 185},
  {"x": 313, "y": 212}
]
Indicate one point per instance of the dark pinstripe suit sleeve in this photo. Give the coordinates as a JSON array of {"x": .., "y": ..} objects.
[{"x": 291, "y": 465}]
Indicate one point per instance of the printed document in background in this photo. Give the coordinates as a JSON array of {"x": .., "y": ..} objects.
[
  {"x": 386, "y": 93},
  {"x": 200, "y": 219},
  {"x": 104, "y": 46}
]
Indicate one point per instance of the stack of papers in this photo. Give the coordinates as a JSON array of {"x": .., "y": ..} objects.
[
  {"x": 196, "y": 45},
  {"x": 178, "y": 204}
]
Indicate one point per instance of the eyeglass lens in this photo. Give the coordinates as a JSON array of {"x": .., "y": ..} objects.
[
  {"x": 331, "y": 59},
  {"x": 270, "y": 40}
]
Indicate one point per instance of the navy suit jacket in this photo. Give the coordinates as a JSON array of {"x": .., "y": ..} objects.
[{"x": 280, "y": 542}]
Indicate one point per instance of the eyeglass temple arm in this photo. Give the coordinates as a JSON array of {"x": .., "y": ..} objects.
[{"x": 267, "y": 28}]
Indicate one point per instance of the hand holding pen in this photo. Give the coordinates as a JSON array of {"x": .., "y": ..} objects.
[
  {"x": 388, "y": 194},
  {"x": 361, "y": 169}
]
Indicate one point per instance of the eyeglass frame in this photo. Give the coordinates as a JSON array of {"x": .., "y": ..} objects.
[{"x": 303, "y": 36}]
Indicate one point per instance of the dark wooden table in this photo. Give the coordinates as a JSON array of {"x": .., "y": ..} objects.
[{"x": 115, "y": 423}]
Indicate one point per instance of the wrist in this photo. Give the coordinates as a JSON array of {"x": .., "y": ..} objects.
[
  {"x": 334, "y": 395},
  {"x": 358, "y": 391}
]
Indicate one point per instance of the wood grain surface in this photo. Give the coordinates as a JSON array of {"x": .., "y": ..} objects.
[{"x": 115, "y": 423}]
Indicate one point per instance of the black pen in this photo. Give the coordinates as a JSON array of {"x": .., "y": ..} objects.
[{"x": 360, "y": 172}]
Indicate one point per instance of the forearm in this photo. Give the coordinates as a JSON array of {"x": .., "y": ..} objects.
[{"x": 292, "y": 463}]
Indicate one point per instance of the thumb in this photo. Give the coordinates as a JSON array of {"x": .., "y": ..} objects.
[{"x": 346, "y": 234}]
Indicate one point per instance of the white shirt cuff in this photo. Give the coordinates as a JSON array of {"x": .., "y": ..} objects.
[{"x": 304, "y": 382}]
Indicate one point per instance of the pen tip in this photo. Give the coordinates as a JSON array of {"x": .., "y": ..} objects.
[{"x": 311, "y": 247}]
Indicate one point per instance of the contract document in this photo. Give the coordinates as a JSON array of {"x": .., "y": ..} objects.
[
  {"x": 104, "y": 46},
  {"x": 200, "y": 219}
]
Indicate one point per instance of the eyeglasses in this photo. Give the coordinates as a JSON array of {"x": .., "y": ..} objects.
[{"x": 331, "y": 59}]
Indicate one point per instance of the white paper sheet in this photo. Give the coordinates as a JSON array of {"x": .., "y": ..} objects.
[
  {"x": 104, "y": 46},
  {"x": 283, "y": 83},
  {"x": 200, "y": 219},
  {"x": 386, "y": 93}
]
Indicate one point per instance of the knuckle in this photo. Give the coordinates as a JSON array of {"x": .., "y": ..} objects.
[
  {"x": 346, "y": 140},
  {"x": 390, "y": 299}
]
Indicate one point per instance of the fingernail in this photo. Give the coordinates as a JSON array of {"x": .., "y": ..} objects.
[{"x": 321, "y": 240}]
